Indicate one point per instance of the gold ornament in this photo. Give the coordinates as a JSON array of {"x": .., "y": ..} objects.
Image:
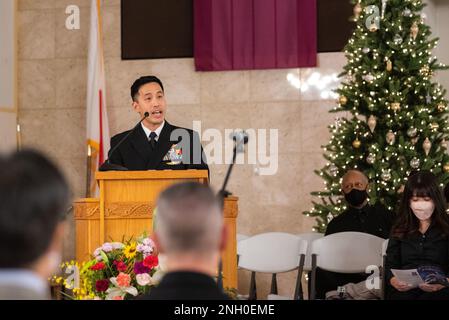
[
  {"x": 357, "y": 10},
  {"x": 372, "y": 122},
  {"x": 395, "y": 106},
  {"x": 401, "y": 188},
  {"x": 446, "y": 167},
  {"x": 414, "y": 30},
  {"x": 426, "y": 145},
  {"x": 441, "y": 107},
  {"x": 425, "y": 71},
  {"x": 415, "y": 140},
  {"x": 343, "y": 100},
  {"x": 434, "y": 126},
  {"x": 391, "y": 137},
  {"x": 443, "y": 144},
  {"x": 356, "y": 143},
  {"x": 389, "y": 65}
]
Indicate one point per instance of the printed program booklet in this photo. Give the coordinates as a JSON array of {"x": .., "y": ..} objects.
[{"x": 423, "y": 274}]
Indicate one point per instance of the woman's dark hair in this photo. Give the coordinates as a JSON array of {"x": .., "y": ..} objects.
[
  {"x": 34, "y": 197},
  {"x": 421, "y": 184}
]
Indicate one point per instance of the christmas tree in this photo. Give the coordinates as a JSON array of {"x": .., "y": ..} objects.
[{"x": 398, "y": 113}]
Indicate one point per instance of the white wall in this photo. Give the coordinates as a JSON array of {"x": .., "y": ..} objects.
[{"x": 8, "y": 104}]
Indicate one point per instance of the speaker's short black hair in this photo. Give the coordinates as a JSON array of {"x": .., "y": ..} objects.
[
  {"x": 34, "y": 198},
  {"x": 142, "y": 81}
]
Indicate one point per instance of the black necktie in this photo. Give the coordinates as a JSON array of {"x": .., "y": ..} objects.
[{"x": 153, "y": 136}]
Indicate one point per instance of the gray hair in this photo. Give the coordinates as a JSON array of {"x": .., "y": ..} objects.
[{"x": 189, "y": 219}]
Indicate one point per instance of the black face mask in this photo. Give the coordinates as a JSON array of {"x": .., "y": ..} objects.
[{"x": 355, "y": 198}]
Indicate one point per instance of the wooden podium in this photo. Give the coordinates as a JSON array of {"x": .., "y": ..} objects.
[{"x": 125, "y": 210}]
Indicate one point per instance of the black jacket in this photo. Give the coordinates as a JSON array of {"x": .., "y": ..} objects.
[
  {"x": 186, "y": 286},
  {"x": 372, "y": 219},
  {"x": 135, "y": 153},
  {"x": 411, "y": 252}
]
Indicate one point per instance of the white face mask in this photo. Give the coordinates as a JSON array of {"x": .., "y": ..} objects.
[{"x": 423, "y": 210}]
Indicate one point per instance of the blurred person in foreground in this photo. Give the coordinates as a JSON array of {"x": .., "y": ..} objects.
[
  {"x": 190, "y": 234},
  {"x": 34, "y": 197}
]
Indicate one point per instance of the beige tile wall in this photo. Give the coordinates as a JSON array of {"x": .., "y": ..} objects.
[{"x": 52, "y": 86}]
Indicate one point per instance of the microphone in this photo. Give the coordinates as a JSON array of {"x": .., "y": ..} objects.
[
  {"x": 107, "y": 165},
  {"x": 241, "y": 138}
]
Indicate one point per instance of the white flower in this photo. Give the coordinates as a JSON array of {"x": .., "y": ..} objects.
[
  {"x": 97, "y": 254},
  {"x": 119, "y": 291},
  {"x": 148, "y": 242},
  {"x": 157, "y": 277},
  {"x": 107, "y": 247},
  {"x": 143, "y": 279},
  {"x": 117, "y": 245}
]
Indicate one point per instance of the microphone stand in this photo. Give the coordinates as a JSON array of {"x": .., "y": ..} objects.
[
  {"x": 223, "y": 193},
  {"x": 107, "y": 165}
]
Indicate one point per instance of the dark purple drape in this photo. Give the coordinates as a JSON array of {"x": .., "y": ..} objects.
[{"x": 254, "y": 34}]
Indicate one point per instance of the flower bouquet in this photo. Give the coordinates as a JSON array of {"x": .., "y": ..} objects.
[{"x": 118, "y": 270}]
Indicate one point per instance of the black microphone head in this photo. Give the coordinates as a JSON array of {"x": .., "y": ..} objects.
[{"x": 146, "y": 114}]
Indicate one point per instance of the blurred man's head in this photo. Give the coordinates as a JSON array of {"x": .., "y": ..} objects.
[
  {"x": 34, "y": 197},
  {"x": 190, "y": 225},
  {"x": 148, "y": 95},
  {"x": 354, "y": 187}
]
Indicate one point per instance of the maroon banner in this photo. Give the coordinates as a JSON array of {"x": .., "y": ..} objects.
[{"x": 254, "y": 34}]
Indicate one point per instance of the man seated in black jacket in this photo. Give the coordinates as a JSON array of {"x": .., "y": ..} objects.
[
  {"x": 190, "y": 234},
  {"x": 359, "y": 217}
]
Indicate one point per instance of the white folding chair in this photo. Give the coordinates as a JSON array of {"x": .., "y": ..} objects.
[
  {"x": 345, "y": 252},
  {"x": 272, "y": 252},
  {"x": 309, "y": 237},
  {"x": 240, "y": 237}
]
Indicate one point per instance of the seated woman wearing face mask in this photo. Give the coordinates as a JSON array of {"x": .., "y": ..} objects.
[{"x": 419, "y": 239}]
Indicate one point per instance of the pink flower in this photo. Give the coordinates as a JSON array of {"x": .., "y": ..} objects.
[
  {"x": 123, "y": 280},
  {"x": 117, "y": 298},
  {"x": 107, "y": 247},
  {"x": 148, "y": 242}
]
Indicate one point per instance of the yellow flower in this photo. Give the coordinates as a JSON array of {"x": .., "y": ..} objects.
[{"x": 130, "y": 250}]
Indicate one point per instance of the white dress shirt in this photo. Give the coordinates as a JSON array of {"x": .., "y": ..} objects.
[{"x": 157, "y": 131}]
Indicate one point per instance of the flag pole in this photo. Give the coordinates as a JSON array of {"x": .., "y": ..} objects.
[{"x": 89, "y": 170}]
